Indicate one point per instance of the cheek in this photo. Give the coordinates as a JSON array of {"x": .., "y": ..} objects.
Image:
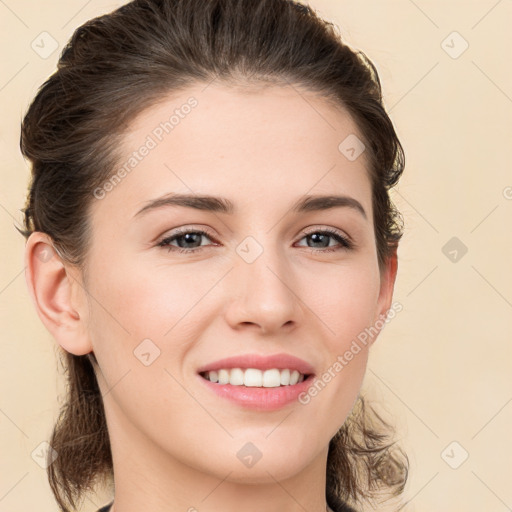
[
  {"x": 146, "y": 301},
  {"x": 146, "y": 314},
  {"x": 141, "y": 328},
  {"x": 346, "y": 305},
  {"x": 346, "y": 301}
]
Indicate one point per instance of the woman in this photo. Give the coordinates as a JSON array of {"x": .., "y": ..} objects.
[{"x": 211, "y": 242}]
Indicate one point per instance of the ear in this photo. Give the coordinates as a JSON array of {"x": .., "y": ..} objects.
[
  {"x": 59, "y": 298},
  {"x": 387, "y": 286}
]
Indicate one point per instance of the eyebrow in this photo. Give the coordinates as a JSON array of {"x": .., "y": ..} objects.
[{"x": 223, "y": 205}]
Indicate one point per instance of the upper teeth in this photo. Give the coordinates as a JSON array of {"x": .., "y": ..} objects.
[{"x": 253, "y": 377}]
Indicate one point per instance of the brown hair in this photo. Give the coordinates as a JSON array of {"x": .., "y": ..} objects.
[{"x": 119, "y": 64}]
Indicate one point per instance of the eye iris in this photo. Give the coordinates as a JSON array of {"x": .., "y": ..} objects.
[
  {"x": 315, "y": 240},
  {"x": 187, "y": 237}
]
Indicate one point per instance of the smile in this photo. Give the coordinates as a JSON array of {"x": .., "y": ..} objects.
[{"x": 253, "y": 377}]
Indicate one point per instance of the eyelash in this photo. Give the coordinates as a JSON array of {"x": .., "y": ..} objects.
[{"x": 346, "y": 244}]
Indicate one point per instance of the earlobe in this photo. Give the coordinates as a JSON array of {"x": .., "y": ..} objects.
[{"x": 51, "y": 285}]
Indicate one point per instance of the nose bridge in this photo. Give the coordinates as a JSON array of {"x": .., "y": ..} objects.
[{"x": 263, "y": 279}]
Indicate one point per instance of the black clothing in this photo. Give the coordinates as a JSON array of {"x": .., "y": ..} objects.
[{"x": 334, "y": 503}]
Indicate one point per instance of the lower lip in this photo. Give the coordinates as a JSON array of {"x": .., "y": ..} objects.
[{"x": 260, "y": 399}]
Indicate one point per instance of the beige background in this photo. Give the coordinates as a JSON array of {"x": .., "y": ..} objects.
[{"x": 443, "y": 366}]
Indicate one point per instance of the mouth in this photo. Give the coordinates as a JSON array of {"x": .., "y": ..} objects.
[
  {"x": 256, "y": 378},
  {"x": 258, "y": 382},
  {"x": 258, "y": 390}
]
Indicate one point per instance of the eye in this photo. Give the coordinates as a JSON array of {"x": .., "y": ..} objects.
[
  {"x": 322, "y": 236},
  {"x": 184, "y": 237}
]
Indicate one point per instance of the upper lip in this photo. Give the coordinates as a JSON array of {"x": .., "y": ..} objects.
[{"x": 280, "y": 361}]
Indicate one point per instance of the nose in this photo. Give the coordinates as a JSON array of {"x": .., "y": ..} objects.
[{"x": 263, "y": 294}]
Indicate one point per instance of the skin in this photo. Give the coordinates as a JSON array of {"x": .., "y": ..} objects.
[{"x": 174, "y": 442}]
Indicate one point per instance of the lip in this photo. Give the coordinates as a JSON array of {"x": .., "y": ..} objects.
[
  {"x": 280, "y": 361},
  {"x": 259, "y": 399}
]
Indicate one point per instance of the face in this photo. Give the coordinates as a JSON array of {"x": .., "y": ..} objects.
[{"x": 175, "y": 287}]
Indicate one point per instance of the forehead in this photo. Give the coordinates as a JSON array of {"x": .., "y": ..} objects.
[{"x": 252, "y": 143}]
